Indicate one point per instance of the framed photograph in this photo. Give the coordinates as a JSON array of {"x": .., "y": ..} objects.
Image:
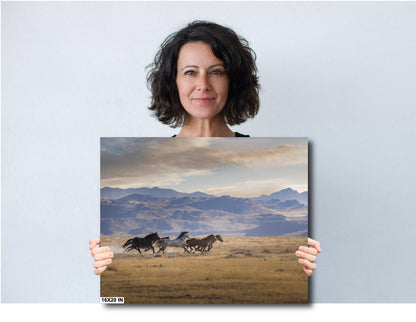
[{"x": 204, "y": 220}]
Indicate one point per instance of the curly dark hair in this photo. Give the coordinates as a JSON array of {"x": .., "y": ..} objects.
[{"x": 240, "y": 67}]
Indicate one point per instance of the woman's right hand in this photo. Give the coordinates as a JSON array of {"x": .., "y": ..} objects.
[{"x": 102, "y": 256}]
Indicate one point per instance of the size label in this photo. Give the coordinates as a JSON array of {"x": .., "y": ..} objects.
[{"x": 112, "y": 300}]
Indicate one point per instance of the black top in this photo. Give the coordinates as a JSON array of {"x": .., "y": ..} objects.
[{"x": 237, "y": 135}]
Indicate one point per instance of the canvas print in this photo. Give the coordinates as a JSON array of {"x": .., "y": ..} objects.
[{"x": 204, "y": 220}]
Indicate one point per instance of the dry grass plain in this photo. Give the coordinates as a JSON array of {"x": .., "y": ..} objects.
[{"x": 239, "y": 270}]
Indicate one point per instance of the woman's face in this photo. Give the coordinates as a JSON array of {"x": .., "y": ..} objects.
[{"x": 201, "y": 81}]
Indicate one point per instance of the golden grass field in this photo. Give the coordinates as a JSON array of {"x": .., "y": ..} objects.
[{"x": 239, "y": 270}]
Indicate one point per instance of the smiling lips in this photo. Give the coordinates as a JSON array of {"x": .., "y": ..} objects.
[{"x": 203, "y": 99}]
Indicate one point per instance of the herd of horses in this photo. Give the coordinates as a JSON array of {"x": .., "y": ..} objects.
[{"x": 182, "y": 241}]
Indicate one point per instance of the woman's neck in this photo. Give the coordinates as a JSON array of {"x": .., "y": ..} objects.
[{"x": 206, "y": 128}]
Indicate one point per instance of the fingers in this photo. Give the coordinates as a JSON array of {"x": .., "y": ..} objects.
[
  {"x": 307, "y": 253},
  {"x": 100, "y": 250},
  {"x": 307, "y": 264},
  {"x": 102, "y": 263},
  {"x": 307, "y": 256},
  {"x": 308, "y": 271},
  {"x": 102, "y": 256},
  {"x": 98, "y": 271},
  {"x": 315, "y": 244},
  {"x": 94, "y": 242}
]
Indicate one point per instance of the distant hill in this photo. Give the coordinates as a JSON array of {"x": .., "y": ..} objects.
[
  {"x": 287, "y": 194},
  {"x": 109, "y": 193},
  {"x": 168, "y": 212},
  {"x": 279, "y": 205},
  {"x": 227, "y": 203}
]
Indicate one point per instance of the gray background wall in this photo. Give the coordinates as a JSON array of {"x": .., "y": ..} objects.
[{"x": 342, "y": 74}]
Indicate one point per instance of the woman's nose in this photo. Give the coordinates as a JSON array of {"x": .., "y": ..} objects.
[{"x": 203, "y": 83}]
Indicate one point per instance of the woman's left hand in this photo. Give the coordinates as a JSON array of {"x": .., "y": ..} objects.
[{"x": 308, "y": 255}]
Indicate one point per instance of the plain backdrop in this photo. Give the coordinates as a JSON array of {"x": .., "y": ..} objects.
[{"x": 341, "y": 74}]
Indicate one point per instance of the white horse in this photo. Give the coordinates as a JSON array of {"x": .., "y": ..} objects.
[{"x": 178, "y": 242}]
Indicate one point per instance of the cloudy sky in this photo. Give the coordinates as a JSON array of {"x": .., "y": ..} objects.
[{"x": 220, "y": 166}]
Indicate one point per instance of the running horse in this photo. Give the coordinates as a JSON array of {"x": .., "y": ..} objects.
[
  {"x": 211, "y": 241},
  {"x": 180, "y": 241},
  {"x": 204, "y": 244},
  {"x": 139, "y": 242}
]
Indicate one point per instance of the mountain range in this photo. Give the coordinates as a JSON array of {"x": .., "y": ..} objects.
[
  {"x": 109, "y": 193},
  {"x": 117, "y": 193},
  {"x": 139, "y": 211}
]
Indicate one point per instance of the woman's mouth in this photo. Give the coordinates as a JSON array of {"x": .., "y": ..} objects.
[{"x": 203, "y": 99}]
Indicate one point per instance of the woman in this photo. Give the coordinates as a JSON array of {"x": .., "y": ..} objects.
[{"x": 204, "y": 79}]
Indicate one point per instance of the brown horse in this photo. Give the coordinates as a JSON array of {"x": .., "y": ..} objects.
[{"x": 204, "y": 244}]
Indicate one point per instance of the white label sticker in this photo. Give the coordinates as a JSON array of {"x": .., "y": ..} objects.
[{"x": 112, "y": 300}]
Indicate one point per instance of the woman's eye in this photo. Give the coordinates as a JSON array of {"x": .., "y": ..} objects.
[
  {"x": 217, "y": 72},
  {"x": 190, "y": 72}
]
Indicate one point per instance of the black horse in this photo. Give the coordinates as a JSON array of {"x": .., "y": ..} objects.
[{"x": 139, "y": 242}]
